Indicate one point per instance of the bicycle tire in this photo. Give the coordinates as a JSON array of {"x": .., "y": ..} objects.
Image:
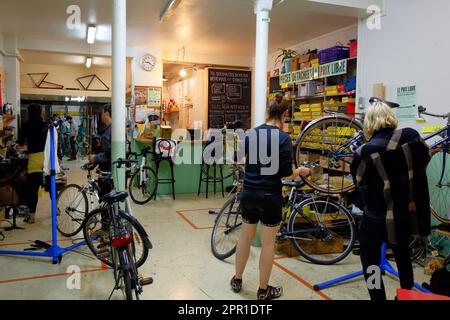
[
  {"x": 137, "y": 236},
  {"x": 307, "y": 147},
  {"x": 236, "y": 221},
  {"x": 151, "y": 177},
  {"x": 439, "y": 196},
  {"x": 342, "y": 210},
  {"x": 79, "y": 225},
  {"x": 126, "y": 274}
]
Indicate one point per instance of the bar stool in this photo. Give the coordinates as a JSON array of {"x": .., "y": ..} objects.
[
  {"x": 205, "y": 169},
  {"x": 164, "y": 150}
]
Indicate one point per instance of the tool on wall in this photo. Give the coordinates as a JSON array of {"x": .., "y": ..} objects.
[
  {"x": 42, "y": 84},
  {"x": 87, "y": 81}
]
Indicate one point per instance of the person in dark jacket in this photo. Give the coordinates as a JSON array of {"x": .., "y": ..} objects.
[
  {"x": 102, "y": 157},
  {"x": 390, "y": 175},
  {"x": 268, "y": 159},
  {"x": 34, "y": 134}
]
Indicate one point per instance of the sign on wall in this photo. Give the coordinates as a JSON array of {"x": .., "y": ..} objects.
[
  {"x": 229, "y": 97},
  {"x": 319, "y": 72},
  {"x": 147, "y": 96},
  {"x": 407, "y": 99}
]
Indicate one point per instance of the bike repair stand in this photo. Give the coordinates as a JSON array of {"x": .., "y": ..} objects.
[
  {"x": 385, "y": 266},
  {"x": 53, "y": 251}
]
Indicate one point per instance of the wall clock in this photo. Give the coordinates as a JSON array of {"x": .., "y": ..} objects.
[{"x": 148, "y": 62}]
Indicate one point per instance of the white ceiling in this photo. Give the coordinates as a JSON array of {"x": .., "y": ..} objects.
[{"x": 205, "y": 27}]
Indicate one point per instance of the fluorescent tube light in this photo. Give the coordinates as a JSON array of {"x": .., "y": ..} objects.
[
  {"x": 92, "y": 31},
  {"x": 169, "y": 10},
  {"x": 88, "y": 62}
]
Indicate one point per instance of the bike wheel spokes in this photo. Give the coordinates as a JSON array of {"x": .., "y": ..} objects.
[
  {"x": 227, "y": 230},
  {"x": 322, "y": 231},
  {"x": 439, "y": 185},
  {"x": 72, "y": 207},
  {"x": 142, "y": 186},
  {"x": 327, "y": 144}
]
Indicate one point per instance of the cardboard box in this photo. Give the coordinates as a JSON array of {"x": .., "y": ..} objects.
[
  {"x": 166, "y": 132},
  {"x": 305, "y": 58},
  {"x": 305, "y": 65}
]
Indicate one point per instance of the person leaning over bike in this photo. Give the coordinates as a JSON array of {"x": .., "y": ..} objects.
[
  {"x": 261, "y": 199},
  {"x": 390, "y": 175},
  {"x": 102, "y": 156}
]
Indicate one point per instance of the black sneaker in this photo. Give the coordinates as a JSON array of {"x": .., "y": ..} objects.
[
  {"x": 236, "y": 285},
  {"x": 270, "y": 293}
]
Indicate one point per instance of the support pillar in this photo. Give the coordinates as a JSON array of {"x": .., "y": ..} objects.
[
  {"x": 119, "y": 112},
  {"x": 262, "y": 10}
]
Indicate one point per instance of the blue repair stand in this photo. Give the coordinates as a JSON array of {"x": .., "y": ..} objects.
[
  {"x": 385, "y": 266},
  {"x": 54, "y": 251}
]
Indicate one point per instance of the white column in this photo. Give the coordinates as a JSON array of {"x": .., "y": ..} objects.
[
  {"x": 262, "y": 9},
  {"x": 11, "y": 65},
  {"x": 119, "y": 114}
]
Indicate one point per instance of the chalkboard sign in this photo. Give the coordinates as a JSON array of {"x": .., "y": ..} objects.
[{"x": 229, "y": 97}]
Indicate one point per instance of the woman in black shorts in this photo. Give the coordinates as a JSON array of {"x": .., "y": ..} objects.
[{"x": 261, "y": 199}]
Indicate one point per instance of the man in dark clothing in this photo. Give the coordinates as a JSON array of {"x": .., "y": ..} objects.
[
  {"x": 103, "y": 156},
  {"x": 390, "y": 173},
  {"x": 73, "y": 138}
]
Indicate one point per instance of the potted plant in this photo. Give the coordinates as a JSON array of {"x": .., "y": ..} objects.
[{"x": 288, "y": 58}]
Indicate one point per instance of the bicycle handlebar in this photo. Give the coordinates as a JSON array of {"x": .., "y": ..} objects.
[
  {"x": 423, "y": 110},
  {"x": 124, "y": 162}
]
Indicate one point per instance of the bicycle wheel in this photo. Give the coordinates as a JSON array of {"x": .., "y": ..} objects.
[
  {"x": 226, "y": 230},
  {"x": 72, "y": 207},
  {"x": 439, "y": 189},
  {"x": 129, "y": 284},
  {"x": 142, "y": 192},
  {"x": 328, "y": 142},
  {"x": 321, "y": 230},
  {"x": 96, "y": 230}
]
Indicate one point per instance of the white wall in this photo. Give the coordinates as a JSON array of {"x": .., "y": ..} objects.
[
  {"x": 140, "y": 76},
  {"x": 343, "y": 36},
  {"x": 412, "y": 47}
]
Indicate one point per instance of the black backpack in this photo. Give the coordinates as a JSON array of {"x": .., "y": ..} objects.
[{"x": 440, "y": 282}]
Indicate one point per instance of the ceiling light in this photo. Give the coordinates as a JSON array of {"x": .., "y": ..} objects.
[
  {"x": 168, "y": 10},
  {"x": 88, "y": 62},
  {"x": 92, "y": 31},
  {"x": 183, "y": 73}
]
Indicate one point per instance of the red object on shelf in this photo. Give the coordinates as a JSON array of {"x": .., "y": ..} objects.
[
  {"x": 353, "y": 48},
  {"x": 403, "y": 294},
  {"x": 351, "y": 108}
]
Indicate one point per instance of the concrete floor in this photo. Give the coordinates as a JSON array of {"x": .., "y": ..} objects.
[{"x": 181, "y": 262}]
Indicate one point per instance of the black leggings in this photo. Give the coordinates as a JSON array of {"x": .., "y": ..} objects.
[
  {"x": 34, "y": 181},
  {"x": 372, "y": 235}
]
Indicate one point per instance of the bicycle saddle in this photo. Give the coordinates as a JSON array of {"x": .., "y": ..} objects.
[
  {"x": 296, "y": 184},
  {"x": 391, "y": 105},
  {"x": 115, "y": 196}
]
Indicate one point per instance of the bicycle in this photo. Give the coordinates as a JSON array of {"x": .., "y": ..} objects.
[
  {"x": 110, "y": 234},
  {"x": 309, "y": 221},
  {"x": 142, "y": 185},
  {"x": 74, "y": 202},
  {"x": 438, "y": 176}
]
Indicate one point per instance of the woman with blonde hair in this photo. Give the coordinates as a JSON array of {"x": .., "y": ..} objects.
[{"x": 390, "y": 175}]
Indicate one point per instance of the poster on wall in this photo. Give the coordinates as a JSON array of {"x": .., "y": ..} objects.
[
  {"x": 407, "y": 99},
  {"x": 147, "y": 96},
  {"x": 229, "y": 97}
]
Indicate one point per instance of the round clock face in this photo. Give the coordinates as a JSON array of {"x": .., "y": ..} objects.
[{"x": 148, "y": 62}]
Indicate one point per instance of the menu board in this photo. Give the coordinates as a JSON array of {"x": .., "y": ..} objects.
[
  {"x": 147, "y": 96},
  {"x": 229, "y": 97}
]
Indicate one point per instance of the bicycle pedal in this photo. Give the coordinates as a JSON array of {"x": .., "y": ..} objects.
[{"x": 145, "y": 281}]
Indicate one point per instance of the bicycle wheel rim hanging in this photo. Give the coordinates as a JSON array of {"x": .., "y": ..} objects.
[
  {"x": 439, "y": 194},
  {"x": 318, "y": 143}
]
